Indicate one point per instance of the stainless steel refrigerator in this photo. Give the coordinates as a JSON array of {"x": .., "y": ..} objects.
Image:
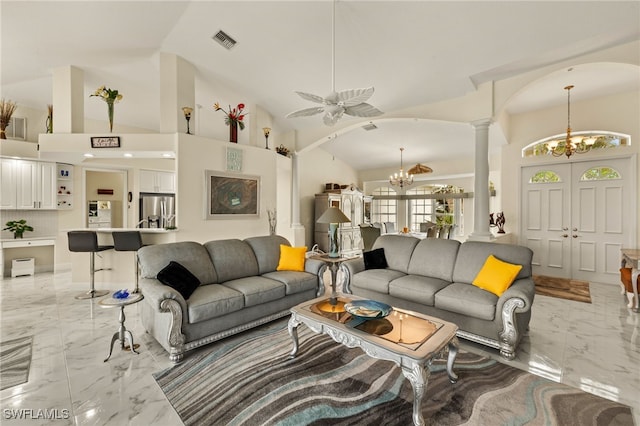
[{"x": 157, "y": 210}]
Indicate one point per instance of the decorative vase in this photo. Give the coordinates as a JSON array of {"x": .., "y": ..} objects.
[
  {"x": 2, "y": 134},
  {"x": 110, "y": 111},
  {"x": 49, "y": 124},
  {"x": 17, "y": 235},
  {"x": 233, "y": 131}
]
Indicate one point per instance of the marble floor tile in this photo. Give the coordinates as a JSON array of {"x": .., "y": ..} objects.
[{"x": 594, "y": 347}]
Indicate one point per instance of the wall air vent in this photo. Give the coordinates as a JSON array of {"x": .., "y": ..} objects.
[
  {"x": 369, "y": 126},
  {"x": 224, "y": 39}
]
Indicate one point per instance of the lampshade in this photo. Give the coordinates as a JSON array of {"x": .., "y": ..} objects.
[{"x": 333, "y": 215}]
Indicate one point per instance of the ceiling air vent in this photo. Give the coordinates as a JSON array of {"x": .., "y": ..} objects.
[
  {"x": 369, "y": 126},
  {"x": 224, "y": 39}
]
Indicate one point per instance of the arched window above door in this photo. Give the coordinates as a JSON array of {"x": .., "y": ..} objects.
[
  {"x": 545, "y": 176},
  {"x": 600, "y": 173},
  {"x": 587, "y": 141}
]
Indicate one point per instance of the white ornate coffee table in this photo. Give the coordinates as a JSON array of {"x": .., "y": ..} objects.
[{"x": 409, "y": 339}]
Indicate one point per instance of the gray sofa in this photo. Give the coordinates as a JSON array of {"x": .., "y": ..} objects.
[
  {"x": 434, "y": 276},
  {"x": 239, "y": 289}
]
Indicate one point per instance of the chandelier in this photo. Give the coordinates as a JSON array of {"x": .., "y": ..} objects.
[
  {"x": 401, "y": 179},
  {"x": 570, "y": 145}
]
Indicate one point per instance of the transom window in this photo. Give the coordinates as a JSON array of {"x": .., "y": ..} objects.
[
  {"x": 545, "y": 176},
  {"x": 587, "y": 140},
  {"x": 600, "y": 173}
]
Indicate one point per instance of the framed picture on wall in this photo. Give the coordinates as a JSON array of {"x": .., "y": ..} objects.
[{"x": 231, "y": 196}]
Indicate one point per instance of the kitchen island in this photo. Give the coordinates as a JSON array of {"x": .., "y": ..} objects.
[{"x": 118, "y": 265}]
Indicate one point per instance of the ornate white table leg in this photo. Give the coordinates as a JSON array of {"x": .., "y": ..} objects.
[
  {"x": 451, "y": 359},
  {"x": 293, "y": 332},
  {"x": 418, "y": 375}
]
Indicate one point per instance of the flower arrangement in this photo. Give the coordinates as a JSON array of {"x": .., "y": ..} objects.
[
  {"x": 110, "y": 96},
  {"x": 7, "y": 108},
  {"x": 18, "y": 227},
  {"x": 234, "y": 115},
  {"x": 107, "y": 95}
]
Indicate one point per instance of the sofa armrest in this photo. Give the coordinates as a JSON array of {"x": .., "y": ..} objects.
[
  {"x": 155, "y": 292},
  {"x": 523, "y": 289},
  {"x": 350, "y": 268},
  {"x": 313, "y": 266}
]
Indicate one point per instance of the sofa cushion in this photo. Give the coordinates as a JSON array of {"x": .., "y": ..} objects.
[
  {"x": 434, "y": 257},
  {"x": 189, "y": 254},
  {"x": 496, "y": 276},
  {"x": 375, "y": 259},
  {"x": 179, "y": 278},
  {"x": 397, "y": 250},
  {"x": 473, "y": 254},
  {"x": 267, "y": 251},
  {"x": 417, "y": 288},
  {"x": 376, "y": 279},
  {"x": 468, "y": 300},
  {"x": 211, "y": 301},
  {"x": 294, "y": 282},
  {"x": 257, "y": 290},
  {"x": 291, "y": 258},
  {"x": 232, "y": 259}
]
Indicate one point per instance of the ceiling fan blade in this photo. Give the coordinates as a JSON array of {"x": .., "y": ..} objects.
[
  {"x": 354, "y": 96},
  {"x": 310, "y": 97},
  {"x": 305, "y": 112},
  {"x": 363, "y": 110}
]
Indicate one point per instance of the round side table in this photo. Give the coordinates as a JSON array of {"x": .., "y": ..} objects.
[{"x": 122, "y": 334}]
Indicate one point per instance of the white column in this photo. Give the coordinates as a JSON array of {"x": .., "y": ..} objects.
[
  {"x": 298, "y": 229},
  {"x": 68, "y": 100},
  {"x": 177, "y": 90},
  {"x": 481, "y": 183}
]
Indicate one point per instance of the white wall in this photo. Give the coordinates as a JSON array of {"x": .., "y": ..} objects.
[{"x": 197, "y": 154}]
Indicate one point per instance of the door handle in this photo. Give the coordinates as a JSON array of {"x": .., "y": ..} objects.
[
  {"x": 575, "y": 229},
  {"x": 564, "y": 235},
  {"x": 575, "y": 236},
  {"x": 565, "y": 229}
]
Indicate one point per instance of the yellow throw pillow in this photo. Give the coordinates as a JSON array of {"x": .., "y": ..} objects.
[
  {"x": 291, "y": 258},
  {"x": 496, "y": 276}
]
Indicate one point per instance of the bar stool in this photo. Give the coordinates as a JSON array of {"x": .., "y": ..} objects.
[
  {"x": 129, "y": 241},
  {"x": 87, "y": 242}
]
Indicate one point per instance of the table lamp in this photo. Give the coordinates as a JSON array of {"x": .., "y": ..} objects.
[{"x": 333, "y": 216}]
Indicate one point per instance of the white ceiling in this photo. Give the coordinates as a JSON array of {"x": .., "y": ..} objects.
[{"x": 413, "y": 53}]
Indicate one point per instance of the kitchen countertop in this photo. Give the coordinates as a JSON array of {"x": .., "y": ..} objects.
[{"x": 142, "y": 230}]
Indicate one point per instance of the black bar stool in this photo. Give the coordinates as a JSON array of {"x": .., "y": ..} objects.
[
  {"x": 87, "y": 242},
  {"x": 129, "y": 241}
]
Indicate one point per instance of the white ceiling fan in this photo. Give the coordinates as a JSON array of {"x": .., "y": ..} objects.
[{"x": 350, "y": 102}]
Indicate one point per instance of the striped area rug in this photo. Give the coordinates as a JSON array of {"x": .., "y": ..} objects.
[
  {"x": 249, "y": 380},
  {"x": 15, "y": 360}
]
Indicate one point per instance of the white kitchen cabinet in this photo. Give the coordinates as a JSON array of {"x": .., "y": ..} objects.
[
  {"x": 35, "y": 185},
  {"x": 8, "y": 183},
  {"x": 157, "y": 181}
]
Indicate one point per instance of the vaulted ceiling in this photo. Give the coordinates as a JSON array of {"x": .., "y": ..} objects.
[{"x": 412, "y": 52}]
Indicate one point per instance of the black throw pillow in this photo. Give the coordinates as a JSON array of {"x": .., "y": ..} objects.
[
  {"x": 179, "y": 278},
  {"x": 375, "y": 259}
]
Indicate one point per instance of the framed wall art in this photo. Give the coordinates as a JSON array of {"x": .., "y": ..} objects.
[
  {"x": 234, "y": 160},
  {"x": 231, "y": 196},
  {"x": 105, "y": 142}
]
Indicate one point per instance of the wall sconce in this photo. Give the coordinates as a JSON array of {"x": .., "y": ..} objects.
[
  {"x": 187, "y": 115},
  {"x": 266, "y": 131}
]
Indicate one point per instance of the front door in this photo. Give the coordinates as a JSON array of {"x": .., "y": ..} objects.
[{"x": 577, "y": 216}]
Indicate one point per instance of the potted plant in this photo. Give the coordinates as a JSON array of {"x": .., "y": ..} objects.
[{"x": 18, "y": 227}]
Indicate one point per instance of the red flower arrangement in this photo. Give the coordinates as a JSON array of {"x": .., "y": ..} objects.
[{"x": 234, "y": 115}]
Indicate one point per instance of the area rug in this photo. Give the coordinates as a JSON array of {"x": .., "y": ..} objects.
[
  {"x": 563, "y": 288},
  {"x": 249, "y": 380},
  {"x": 15, "y": 360}
]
